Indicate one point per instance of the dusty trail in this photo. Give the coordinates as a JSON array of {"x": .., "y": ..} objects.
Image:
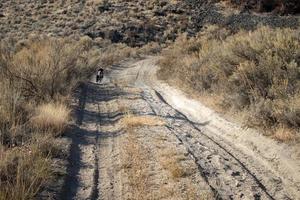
[
  {"x": 209, "y": 163},
  {"x": 94, "y": 154}
]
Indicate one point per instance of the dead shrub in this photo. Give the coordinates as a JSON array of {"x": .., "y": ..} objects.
[{"x": 283, "y": 134}]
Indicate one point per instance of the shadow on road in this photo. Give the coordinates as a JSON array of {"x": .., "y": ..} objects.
[{"x": 81, "y": 137}]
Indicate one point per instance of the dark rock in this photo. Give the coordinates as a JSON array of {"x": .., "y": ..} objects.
[
  {"x": 115, "y": 36},
  {"x": 95, "y": 34},
  {"x": 159, "y": 13},
  {"x": 104, "y": 7}
]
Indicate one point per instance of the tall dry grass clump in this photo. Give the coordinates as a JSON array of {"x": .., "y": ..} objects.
[
  {"x": 22, "y": 173},
  {"x": 52, "y": 117},
  {"x": 255, "y": 72}
]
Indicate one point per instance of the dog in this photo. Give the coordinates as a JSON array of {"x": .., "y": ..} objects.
[{"x": 100, "y": 75}]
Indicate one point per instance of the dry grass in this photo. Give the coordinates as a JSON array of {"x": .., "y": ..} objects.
[
  {"x": 182, "y": 172},
  {"x": 283, "y": 134},
  {"x": 131, "y": 121},
  {"x": 174, "y": 167},
  {"x": 136, "y": 156},
  {"x": 23, "y": 171},
  {"x": 135, "y": 165},
  {"x": 172, "y": 159},
  {"x": 257, "y": 72},
  {"x": 53, "y": 116}
]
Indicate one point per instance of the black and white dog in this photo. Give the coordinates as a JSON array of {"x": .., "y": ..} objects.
[{"x": 100, "y": 74}]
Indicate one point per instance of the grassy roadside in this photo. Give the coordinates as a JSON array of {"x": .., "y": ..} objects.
[
  {"x": 255, "y": 74},
  {"x": 37, "y": 77}
]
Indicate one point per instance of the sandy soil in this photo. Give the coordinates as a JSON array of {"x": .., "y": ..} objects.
[{"x": 196, "y": 154}]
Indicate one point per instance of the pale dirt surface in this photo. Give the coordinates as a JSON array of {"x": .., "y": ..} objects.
[
  {"x": 102, "y": 163},
  {"x": 213, "y": 157},
  {"x": 255, "y": 161}
]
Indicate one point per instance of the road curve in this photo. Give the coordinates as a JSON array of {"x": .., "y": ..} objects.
[
  {"x": 236, "y": 163},
  {"x": 227, "y": 161}
]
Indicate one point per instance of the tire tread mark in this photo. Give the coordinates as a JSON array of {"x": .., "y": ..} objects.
[
  {"x": 219, "y": 145},
  {"x": 196, "y": 160}
]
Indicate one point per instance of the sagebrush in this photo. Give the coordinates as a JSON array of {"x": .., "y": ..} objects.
[{"x": 256, "y": 72}]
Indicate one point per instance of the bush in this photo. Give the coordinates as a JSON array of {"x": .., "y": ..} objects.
[
  {"x": 255, "y": 71},
  {"x": 279, "y": 6},
  {"x": 36, "y": 71},
  {"x": 43, "y": 68},
  {"x": 33, "y": 74}
]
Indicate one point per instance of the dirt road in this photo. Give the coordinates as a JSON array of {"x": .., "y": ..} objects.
[{"x": 196, "y": 154}]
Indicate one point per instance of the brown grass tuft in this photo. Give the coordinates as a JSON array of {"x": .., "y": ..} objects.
[
  {"x": 174, "y": 167},
  {"x": 131, "y": 121},
  {"x": 283, "y": 134},
  {"x": 51, "y": 116}
]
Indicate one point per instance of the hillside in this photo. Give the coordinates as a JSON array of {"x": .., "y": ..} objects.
[{"x": 134, "y": 22}]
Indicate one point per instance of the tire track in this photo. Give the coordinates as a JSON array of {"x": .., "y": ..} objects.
[
  {"x": 109, "y": 178},
  {"x": 214, "y": 174},
  {"x": 219, "y": 145}
]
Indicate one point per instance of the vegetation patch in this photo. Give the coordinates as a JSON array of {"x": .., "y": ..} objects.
[
  {"x": 256, "y": 73},
  {"x": 275, "y": 6},
  {"x": 37, "y": 78},
  {"x": 131, "y": 121},
  {"x": 23, "y": 171},
  {"x": 53, "y": 116},
  {"x": 135, "y": 166}
]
